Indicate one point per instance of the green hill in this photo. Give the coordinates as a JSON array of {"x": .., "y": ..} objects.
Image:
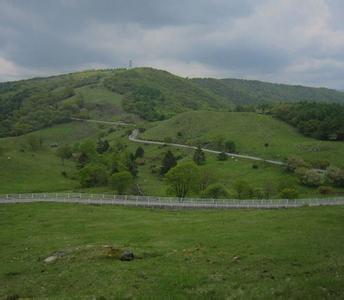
[
  {"x": 140, "y": 93},
  {"x": 240, "y": 91},
  {"x": 249, "y": 131}
]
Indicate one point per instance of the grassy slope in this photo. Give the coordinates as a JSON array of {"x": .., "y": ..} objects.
[
  {"x": 40, "y": 171},
  {"x": 250, "y": 132},
  {"x": 251, "y": 91},
  {"x": 289, "y": 254}
]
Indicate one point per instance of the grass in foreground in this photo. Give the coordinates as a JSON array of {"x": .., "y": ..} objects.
[{"x": 296, "y": 253}]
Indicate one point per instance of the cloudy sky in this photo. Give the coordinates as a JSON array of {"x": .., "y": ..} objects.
[{"x": 289, "y": 41}]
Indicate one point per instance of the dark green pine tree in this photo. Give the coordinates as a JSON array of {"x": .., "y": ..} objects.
[
  {"x": 168, "y": 162},
  {"x": 139, "y": 152},
  {"x": 199, "y": 156},
  {"x": 102, "y": 146}
]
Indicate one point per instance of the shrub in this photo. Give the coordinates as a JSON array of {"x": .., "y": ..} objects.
[
  {"x": 313, "y": 178},
  {"x": 325, "y": 190},
  {"x": 289, "y": 193},
  {"x": 230, "y": 147},
  {"x": 321, "y": 164},
  {"x": 243, "y": 190},
  {"x": 294, "y": 162},
  {"x": 215, "y": 191},
  {"x": 336, "y": 176},
  {"x": 222, "y": 156},
  {"x": 93, "y": 175}
]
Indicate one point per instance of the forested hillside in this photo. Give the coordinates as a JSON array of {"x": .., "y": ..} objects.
[
  {"x": 157, "y": 95},
  {"x": 252, "y": 92},
  {"x": 135, "y": 94}
]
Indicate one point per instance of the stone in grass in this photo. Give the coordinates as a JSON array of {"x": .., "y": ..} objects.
[
  {"x": 50, "y": 259},
  {"x": 54, "y": 256},
  {"x": 127, "y": 256}
]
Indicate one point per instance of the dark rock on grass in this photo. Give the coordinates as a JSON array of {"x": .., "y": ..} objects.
[
  {"x": 118, "y": 253},
  {"x": 127, "y": 256}
]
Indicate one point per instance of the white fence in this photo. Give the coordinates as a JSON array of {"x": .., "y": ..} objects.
[{"x": 165, "y": 202}]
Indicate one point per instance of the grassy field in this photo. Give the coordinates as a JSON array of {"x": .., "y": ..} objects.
[
  {"x": 249, "y": 131},
  {"x": 238, "y": 254},
  {"x": 41, "y": 171}
]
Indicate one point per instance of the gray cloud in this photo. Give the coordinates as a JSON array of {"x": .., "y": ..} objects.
[{"x": 279, "y": 40}]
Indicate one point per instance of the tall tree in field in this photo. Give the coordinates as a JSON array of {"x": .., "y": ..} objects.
[
  {"x": 139, "y": 152},
  {"x": 64, "y": 152},
  {"x": 168, "y": 162},
  {"x": 183, "y": 178},
  {"x": 199, "y": 156}
]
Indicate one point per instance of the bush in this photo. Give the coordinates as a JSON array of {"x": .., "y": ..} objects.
[
  {"x": 93, "y": 175},
  {"x": 222, "y": 156},
  {"x": 121, "y": 181},
  {"x": 215, "y": 191},
  {"x": 336, "y": 176},
  {"x": 294, "y": 162},
  {"x": 325, "y": 190},
  {"x": 230, "y": 147},
  {"x": 243, "y": 190},
  {"x": 321, "y": 164},
  {"x": 313, "y": 178},
  {"x": 289, "y": 193}
]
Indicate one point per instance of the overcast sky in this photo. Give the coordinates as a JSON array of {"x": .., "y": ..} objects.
[{"x": 289, "y": 41}]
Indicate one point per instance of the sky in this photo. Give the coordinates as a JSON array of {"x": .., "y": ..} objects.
[{"x": 286, "y": 41}]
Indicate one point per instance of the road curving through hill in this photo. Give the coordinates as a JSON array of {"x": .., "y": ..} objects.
[{"x": 134, "y": 137}]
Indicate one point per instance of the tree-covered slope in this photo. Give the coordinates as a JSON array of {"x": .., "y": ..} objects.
[
  {"x": 155, "y": 94},
  {"x": 252, "y": 92}
]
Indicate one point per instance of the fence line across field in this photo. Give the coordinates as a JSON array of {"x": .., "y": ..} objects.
[{"x": 166, "y": 202}]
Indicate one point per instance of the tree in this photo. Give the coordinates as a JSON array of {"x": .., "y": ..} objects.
[
  {"x": 183, "y": 178},
  {"x": 93, "y": 175},
  {"x": 34, "y": 142},
  {"x": 121, "y": 181},
  {"x": 243, "y": 189},
  {"x": 168, "y": 162},
  {"x": 102, "y": 146},
  {"x": 206, "y": 177},
  {"x": 215, "y": 191},
  {"x": 64, "y": 152},
  {"x": 130, "y": 164},
  {"x": 230, "y": 147},
  {"x": 222, "y": 156},
  {"x": 139, "y": 152},
  {"x": 199, "y": 156}
]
